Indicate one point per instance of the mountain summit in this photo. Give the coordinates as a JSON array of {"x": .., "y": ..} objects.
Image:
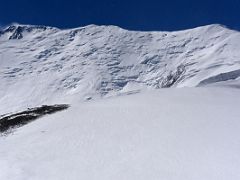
[{"x": 42, "y": 64}]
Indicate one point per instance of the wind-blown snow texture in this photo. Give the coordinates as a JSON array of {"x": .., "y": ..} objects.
[{"x": 41, "y": 64}]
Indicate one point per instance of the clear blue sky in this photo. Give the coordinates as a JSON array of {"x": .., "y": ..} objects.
[{"x": 129, "y": 14}]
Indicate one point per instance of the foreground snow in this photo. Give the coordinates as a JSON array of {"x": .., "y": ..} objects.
[{"x": 170, "y": 134}]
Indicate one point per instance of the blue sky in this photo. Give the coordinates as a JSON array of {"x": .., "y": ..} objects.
[{"x": 129, "y": 14}]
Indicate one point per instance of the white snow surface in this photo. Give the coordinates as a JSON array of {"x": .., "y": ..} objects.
[
  {"x": 144, "y": 105},
  {"x": 40, "y": 65},
  {"x": 170, "y": 134}
]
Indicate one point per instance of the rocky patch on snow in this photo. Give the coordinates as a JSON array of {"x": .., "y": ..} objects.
[{"x": 14, "y": 120}]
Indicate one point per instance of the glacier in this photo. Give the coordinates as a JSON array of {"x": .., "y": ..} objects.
[{"x": 49, "y": 65}]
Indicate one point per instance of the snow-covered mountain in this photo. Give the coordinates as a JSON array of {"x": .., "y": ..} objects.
[
  {"x": 40, "y": 65},
  {"x": 190, "y": 130}
]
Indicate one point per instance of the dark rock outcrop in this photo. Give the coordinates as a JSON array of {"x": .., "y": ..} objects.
[{"x": 8, "y": 122}]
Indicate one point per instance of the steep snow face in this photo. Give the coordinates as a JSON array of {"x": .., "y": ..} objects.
[
  {"x": 170, "y": 134},
  {"x": 42, "y": 64}
]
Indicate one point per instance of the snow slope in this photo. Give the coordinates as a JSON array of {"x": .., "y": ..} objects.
[
  {"x": 170, "y": 134},
  {"x": 43, "y": 65},
  {"x": 111, "y": 131}
]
